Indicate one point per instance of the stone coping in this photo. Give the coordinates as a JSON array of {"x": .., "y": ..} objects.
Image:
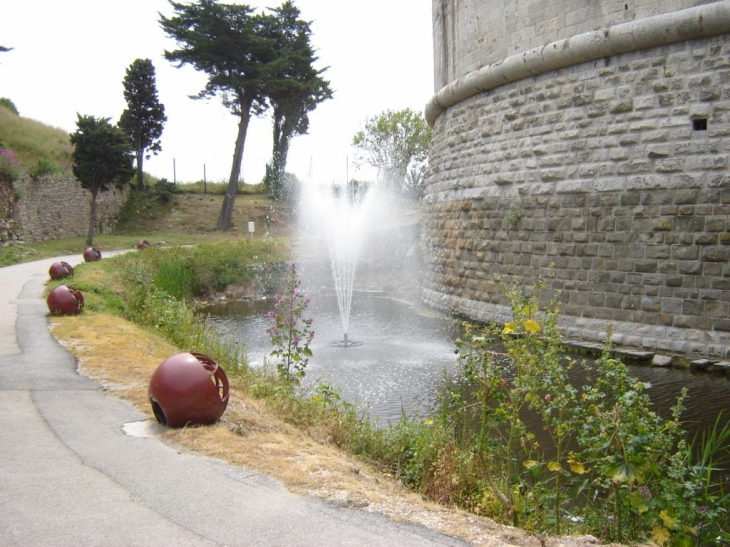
[{"x": 678, "y": 26}]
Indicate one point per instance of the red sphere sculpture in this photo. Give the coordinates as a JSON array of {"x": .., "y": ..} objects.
[
  {"x": 92, "y": 254},
  {"x": 188, "y": 389},
  {"x": 65, "y": 300},
  {"x": 59, "y": 270}
]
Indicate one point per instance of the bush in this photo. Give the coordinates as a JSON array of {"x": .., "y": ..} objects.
[
  {"x": 10, "y": 168},
  {"x": 43, "y": 168},
  {"x": 164, "y": 190},
  {"x": 7, "y": 103}
]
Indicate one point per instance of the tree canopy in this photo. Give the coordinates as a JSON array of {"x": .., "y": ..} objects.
[
  {"x": 253, "y": 61},
  {"x": 396, "y": 143},
  {"x": 144, "y": 118},
  {"x": 102, "y": 158},
  {"x": 295, "y": 89},
  {"x": 227, "y": 43}
]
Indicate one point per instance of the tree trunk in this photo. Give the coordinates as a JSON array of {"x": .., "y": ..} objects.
[
  {"x": 278, "y": 167},
  {"x": 92, "y": 219},
  {"x": 224, "y": 220},
  {"x": 282, "y": 137},
  {"x": 140, "y": 171}
]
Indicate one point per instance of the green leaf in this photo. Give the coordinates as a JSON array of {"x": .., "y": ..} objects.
[{"x": 624, "y": 471}]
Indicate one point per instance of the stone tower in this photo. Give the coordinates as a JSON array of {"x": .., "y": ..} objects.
[{"x": 586, "y": 143}]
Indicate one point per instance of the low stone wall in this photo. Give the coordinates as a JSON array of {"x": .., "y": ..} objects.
[{"x": 56, "y": 208}]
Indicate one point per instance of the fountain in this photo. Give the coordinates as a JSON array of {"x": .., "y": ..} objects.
[{"x": 338, "y": 217}]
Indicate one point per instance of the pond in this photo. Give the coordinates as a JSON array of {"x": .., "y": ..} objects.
[
  {"x": 398, "y": 368},
  {"x": 400, "y": 365}
]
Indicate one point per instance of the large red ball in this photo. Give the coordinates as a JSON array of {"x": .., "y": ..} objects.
[
  {"x": 92, "y": 254},
  {"x": 59, "y": 270},
  {"x": 188, "y": 389},
  {"x": 66, "y": 300}
]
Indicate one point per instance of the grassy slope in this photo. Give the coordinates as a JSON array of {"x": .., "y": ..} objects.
[
  {"x": 187, "y": 219},
  {"x": 32, "y": 141}
]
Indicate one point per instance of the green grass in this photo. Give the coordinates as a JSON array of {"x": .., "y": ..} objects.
[
  {"x": 35, "y": 142},
  {"x": 16, "y": 254}
]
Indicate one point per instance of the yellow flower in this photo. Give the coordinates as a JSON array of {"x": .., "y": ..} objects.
[
  {"x": 509, "y": 328},
  {"x": 554, "y": 466},
  {"x": 669, "y": 522},
  {"x": 575, "y": 466},
  {"x": 531, "y": 326},
  {"x": 659, "y": 535}
]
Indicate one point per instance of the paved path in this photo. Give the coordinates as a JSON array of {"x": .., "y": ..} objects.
[{"x": 70, "y": 476}]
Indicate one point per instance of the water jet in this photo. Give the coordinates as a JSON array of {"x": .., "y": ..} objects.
[
  {"x": 345, "y": 343},
  {"x": 337, "y": 218}
]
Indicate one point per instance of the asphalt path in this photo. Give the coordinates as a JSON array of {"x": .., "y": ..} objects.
[{"x": 71, "y": 476}]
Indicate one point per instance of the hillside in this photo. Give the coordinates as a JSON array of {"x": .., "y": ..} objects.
[
  {"x": 34, "y": 144},
  {"x": 196, "y": 214}
]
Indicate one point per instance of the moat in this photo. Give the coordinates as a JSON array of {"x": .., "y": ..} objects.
[{"x": 400, "y": 366}]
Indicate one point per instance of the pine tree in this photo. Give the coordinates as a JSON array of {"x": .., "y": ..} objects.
[
  {"x": 144, "y": 118},
  {"x": 295, "y": 89},
  {"x": 225, "y": 41}
]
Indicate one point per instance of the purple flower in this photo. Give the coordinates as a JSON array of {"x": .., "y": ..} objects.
[{"x": 644, "y": 491}]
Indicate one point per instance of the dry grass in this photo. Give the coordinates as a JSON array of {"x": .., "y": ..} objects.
[
  {"x": 122, "y": 357},
  {"x": 196, "y": 215}
]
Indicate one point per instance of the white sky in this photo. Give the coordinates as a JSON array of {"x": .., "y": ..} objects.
[{"x": 70, "y": 56}]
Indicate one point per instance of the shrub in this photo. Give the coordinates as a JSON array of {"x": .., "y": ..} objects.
[
  {"x": 7, "y": 103},
  {"x": 164, "y": 189},
  {"x": 43, "y": 168},
  {"x": 10, "y": 169}
]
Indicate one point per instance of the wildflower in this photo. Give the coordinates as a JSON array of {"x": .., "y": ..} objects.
[
  {"x": 645, "y": 491},
  {"x": 509, "y": 328},
  {"x": 531, "y": 326}
]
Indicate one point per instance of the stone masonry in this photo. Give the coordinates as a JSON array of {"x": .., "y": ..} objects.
[
  {"x": 608, "y": 178},
  {"x": 55, "y": 208}
]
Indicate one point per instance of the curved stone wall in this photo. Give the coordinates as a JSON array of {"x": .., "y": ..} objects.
[
  {"x": 472, "y": 34},
  {"x": 604, "y": 173}
]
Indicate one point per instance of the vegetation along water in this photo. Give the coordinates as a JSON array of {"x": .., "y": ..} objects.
[{"x": 613, "y": 468}]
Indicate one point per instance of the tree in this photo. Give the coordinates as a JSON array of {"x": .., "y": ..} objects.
[
  {"x": 227, "y": 43},
  {"x": 144, "y": 118},
  {"x": 294, "y": 90},
  {"x": 396, "y": 143},
  {"x": 102, "y": 157}
]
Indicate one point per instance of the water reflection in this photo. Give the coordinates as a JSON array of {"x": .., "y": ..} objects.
[{"x": 400, "y": 366}]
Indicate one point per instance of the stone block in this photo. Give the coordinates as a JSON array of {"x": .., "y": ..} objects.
[{"x": 663, "y": 360}]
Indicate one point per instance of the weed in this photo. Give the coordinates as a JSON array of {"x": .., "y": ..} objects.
[{"x": 291, "y": 332}]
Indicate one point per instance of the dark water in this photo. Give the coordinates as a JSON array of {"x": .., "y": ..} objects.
[{"x": 400, "y": 365}]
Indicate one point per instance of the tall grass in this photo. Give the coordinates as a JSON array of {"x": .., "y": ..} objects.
[
  {"x": 36, "y": 143},
  {"x": 159, "y": 286},
  {"x": 208, "y": 187}
]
